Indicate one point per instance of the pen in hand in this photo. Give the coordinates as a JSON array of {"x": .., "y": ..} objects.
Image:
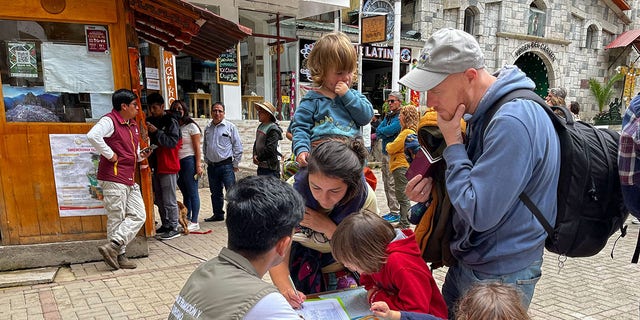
[{"x": 296, "y": 290}]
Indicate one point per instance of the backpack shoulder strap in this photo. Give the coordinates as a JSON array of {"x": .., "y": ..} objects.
[
  {"x": 636, "y": 253},
  {"x": 510, "y": 96},
  {"x": 530, "y": 95}
]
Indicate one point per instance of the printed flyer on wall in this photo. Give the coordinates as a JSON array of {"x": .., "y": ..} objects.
[{"x": 75, "y": 169}]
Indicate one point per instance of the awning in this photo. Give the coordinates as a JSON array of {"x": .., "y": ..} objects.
[
  {"x": 294, "y": 8},
  {"x": 179, "y": 26},
  {"x": 308, "y": 8},
  {"x": 625, "y": 39}
]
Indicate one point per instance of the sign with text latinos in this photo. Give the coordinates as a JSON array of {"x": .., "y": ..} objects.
[
  {"x": 75, "y": 172},
  {"x": 228, "y": 66}
]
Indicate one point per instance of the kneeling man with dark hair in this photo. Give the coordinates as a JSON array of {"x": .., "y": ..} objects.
[{"x": 262, "y": 212}]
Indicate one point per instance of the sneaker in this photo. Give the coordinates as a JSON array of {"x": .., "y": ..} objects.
[
  {"x": 314, "y": 240},
  {"x": 162, "y": 230},
  {"x": 635, "y": 221},
  {"x": 214, "y": 218},
  {"x": 110, "y": 255},
  {"x": 391, "y": 217},
  {"x": 193, "y": 226},
  {"x": 388, "y": 215},
  {"x": 126, "y": 263},
  {"x": 171, "y": 234}
]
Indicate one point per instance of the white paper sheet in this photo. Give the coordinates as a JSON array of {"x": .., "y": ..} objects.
[
  {"x": 70, "y": 68},
  {"x": 354, "y": 300},
  {"x": 322, "y": 309}
]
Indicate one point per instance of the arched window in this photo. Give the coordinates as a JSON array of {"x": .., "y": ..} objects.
[
  {"x": 537, "y": 19},
  {"x": 592, "y": 37},
  {"x": 469, "y": 21}
]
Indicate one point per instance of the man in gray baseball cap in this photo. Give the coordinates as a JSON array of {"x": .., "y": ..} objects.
[
  {"x": 447, "y": 52},
  {"x": 496, "y": 237}
]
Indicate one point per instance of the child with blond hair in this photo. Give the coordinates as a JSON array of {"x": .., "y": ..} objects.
[
  {"x": 398, "y": 164},
  {"x": 389, "y": 262},
  {"x": 484, "y": 300},
  {"x": 332, "y": 108}
]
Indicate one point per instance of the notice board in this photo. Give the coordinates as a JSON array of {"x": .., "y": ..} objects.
[{"x": 228, "y": 66}]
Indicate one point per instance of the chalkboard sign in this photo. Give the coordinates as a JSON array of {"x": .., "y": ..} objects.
[{"x": 228, "y": 67}]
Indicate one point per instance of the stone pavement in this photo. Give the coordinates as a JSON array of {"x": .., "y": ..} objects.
[{"x": 587, "y": 288}]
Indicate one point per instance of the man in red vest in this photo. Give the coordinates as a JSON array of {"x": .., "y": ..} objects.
[{"x": 115, "y": 137}]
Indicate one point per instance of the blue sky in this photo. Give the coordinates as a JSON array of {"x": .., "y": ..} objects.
[{"x": 11, "y": 91}]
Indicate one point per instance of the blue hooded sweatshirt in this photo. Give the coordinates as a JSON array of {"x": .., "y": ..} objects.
[
  {"x": 318, "y": 116},
  {"x": 495, "y": 232}
]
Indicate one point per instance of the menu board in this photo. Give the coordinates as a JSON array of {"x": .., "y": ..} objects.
[{"x": 228, "y": 67}]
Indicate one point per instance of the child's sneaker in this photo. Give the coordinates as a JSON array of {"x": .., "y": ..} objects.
[
  {"x": 391, "y": 217},
  {"x": 312, "y": 239},
  {"x": 193, "y": 226}
]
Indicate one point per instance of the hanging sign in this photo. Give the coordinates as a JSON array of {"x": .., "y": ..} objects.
[
  {"x": 228, "y": 67},
  {"x": 97, "y": 39},
  {"x": 374, "y": 29}
]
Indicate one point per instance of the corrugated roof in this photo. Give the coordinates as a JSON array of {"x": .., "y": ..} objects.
[
  {"x": 179, "y": 26},
  {"x": 625, "y": 39}
]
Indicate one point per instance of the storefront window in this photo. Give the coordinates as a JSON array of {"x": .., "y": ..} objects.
[{"x": 55, "y": 72}]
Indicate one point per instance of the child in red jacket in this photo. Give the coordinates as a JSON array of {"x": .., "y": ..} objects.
[{"x": 390, "y": 264}]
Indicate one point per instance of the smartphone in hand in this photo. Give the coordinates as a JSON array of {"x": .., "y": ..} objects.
[
  {"x": 148, "y": 149},
  {"x": 422, "y": 164}
]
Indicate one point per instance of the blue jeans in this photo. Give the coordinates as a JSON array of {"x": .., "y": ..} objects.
[
  {"x": 460, "y": 278},
  {"x": 189, "y": 187},
  {"x": 219, "y": 176},
  {"x": 631, "y": 199}
]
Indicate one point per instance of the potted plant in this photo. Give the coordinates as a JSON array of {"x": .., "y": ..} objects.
[{"x": 602, "y": 93}]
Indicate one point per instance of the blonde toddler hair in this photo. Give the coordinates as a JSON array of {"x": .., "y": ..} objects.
[
  {"x": 492, "y": 300},
  {"x": 333, "y": 51}
]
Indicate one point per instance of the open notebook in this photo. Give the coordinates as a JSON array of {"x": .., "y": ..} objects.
[{"x": 344, "y": 304}]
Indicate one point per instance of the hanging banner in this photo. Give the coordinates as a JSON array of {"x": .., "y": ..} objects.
[
  {"x": 75, "y": 171},
  {"x": 171, "y": 87},
  {"x": 22, "y": 59}
]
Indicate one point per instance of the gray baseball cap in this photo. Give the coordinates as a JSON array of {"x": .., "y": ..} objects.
[{"x": 447, "y": 51}]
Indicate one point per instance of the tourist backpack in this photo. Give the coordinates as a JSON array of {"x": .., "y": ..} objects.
[{"x": 590, "y": 205}]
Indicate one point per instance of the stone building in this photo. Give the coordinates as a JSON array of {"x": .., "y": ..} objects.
[{"x": 557, "y": 43}]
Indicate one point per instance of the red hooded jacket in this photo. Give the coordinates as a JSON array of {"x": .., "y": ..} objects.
[{"x": 405, "y": 282}]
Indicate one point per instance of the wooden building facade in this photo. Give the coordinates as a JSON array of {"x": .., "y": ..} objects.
[{"x": 60, "y": 60}]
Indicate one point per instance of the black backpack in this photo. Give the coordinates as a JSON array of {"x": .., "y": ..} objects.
[{"x": 590, "y": 205}]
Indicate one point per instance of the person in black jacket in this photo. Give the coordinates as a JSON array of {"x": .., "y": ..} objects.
[
  {"x": 164, "y": 132},
  {"x": 265, "y": 148}
]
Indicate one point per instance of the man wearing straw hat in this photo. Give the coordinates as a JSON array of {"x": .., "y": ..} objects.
[{"x": 265, "y": 148}]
